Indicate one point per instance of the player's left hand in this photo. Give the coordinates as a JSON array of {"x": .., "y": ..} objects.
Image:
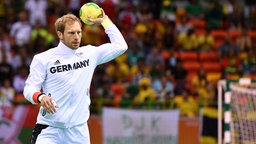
[{"x": 99, "y": 20}]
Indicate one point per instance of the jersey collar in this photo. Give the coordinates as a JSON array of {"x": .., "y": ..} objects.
[{"x": 64, "y": 49}]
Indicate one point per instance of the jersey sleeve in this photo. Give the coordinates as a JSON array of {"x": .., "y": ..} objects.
[
  {"x": 33, "y": 85},
  {"x": 115, "y": 48}
]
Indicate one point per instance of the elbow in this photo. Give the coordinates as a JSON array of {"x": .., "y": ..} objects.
[
  {"x": 25, "y": 93},
  {"x": 125, "y": 46}
]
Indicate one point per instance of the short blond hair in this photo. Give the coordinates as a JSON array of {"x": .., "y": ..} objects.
[{"x": 60, "y": 23}]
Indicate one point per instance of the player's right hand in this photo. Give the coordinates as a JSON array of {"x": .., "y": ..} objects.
[
  {"x": 99, "y": 20},
  {"x": 49, "y": 104}
]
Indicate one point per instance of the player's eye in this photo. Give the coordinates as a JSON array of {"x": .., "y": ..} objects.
[
  {"x": 78, "y": 32},
  {"x": 72, "y": 33}
]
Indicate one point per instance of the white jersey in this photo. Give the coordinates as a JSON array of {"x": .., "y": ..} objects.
[{"x": 66, "y": 75}]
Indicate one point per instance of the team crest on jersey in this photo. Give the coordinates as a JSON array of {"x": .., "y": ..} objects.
[{"x": 79, "y": 54}]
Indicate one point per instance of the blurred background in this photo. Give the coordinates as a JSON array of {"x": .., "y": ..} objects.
[{"x": 178, "y": 51}]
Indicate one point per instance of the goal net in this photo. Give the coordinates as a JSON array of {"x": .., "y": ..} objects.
[
  {"x": 243, "y": 114},
  {"x": 237, "y": 111}
]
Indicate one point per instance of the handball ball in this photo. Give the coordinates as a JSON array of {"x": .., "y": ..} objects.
[{"x": 89, "y": 10}]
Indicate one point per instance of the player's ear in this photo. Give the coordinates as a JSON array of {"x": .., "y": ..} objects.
[{"x": 60, "y": 35}]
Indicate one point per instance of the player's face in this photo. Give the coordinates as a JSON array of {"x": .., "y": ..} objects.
[{"x": 72, "y": 35}]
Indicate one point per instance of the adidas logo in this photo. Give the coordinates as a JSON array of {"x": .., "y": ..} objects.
[{"x": 57, "y": 62}]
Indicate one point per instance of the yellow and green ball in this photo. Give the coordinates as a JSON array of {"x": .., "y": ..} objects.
[{"x": 89, "y": 10}]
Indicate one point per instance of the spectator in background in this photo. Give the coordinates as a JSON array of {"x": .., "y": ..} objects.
[
  {"x": 203, "y": 88},
  {"x": 127, "y": 16},
  {"x": 251, "y": 20},
  {"x": 248, "y": 5},
  {"x": 19, "y": 79},
  {"x": 228, "y": 7},
  {"x": 252, "y": 61},
  {"x": 248, "y": 63},
  {"x": 5, "y": 54},
  {"x": 226, "y": 45},
  {"x": 172, "y": 60},
  {"x": 22, "y": 57},
  {"x": 101, "y": 86},
  {"x": 154, "y": 6},
  {"x": 110, "y": 7},
  {"x": 4, "y": 39},
  {"x": 230, "y": 63},
  {"x": 6, "y": 70},
  {"x": 74, "y": 6},
  {"x": 183, "y": 26},
  {"x": 179, "y": 74},
  {"x": 157, "y": 71},
  {"x": 3, "y": 11},
  {"x": 146, "y": 95},
  {"x": 51, "y": 38},
  {"x": 206, "y": 41},
  {"x": 236, "y": 16},
  {"x": 244, "y": 42},
  {"x": 130, "y": 92},
  {"x": 139, "y": 35},
  {"x": 37, "y": 11},
  {"x": 139, "y": 71},
  {"x": 117, "y": 88},
  {"x": 199, "y": 81},
  {"x": 55, "y": 9},
  {"x": 210, "y": 99},
  {"x": 235, "y": 26},
  {"x": 144, "y": 13},
  {"x": 163, "y": 87},
  {"x": 117, "y": 70},
  {"x": 10, "y": 19},
  {"x": 144, "y": 27},
  {"x": 186, "y": 103},
  {"x": 7, "y": 92},
  {"x": 38, "y": 39},
  {"x": 168, "y": 11},
  {"x": 154, "y": 58},
  {"x": 21, "y": 29},
  {"x": 134, "y": 54},
  {"x": 188, "y": 41},
  {"x": 214, "y": 14},
  {"x": 194, "y": 9},
  {"x": 169, "y": 35}
]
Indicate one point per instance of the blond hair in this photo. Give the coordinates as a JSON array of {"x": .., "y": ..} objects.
[{"x": 68, "y": 18}]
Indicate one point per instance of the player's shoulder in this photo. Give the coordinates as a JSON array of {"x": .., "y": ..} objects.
[
  {"x": 87, "y": 48},
  {"x": 45, "y": 54}
]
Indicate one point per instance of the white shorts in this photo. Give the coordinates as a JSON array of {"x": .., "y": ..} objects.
[{"x": 75, "y": 135}]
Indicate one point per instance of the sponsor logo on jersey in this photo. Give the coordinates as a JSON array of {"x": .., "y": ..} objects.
[{"x": 68, "y": 67}]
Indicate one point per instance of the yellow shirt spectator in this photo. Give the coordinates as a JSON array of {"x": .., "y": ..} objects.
[
  {"x": 205, "y": 42},
  {"x": 187, "y": 105},
  {"x": 188, "y": 41},
  {"x": 145, "y": 91}
]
